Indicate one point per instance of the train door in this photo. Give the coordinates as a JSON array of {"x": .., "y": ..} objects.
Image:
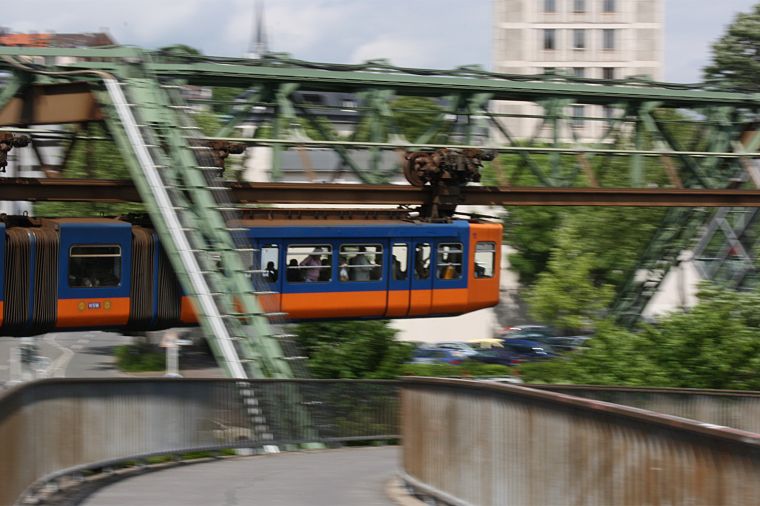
[
  {"x": 399, "y": 279},
  {"x": 421, "y": 294},
  {"x": 450, "y": 276},
  {"x": 267, "y": 276}
]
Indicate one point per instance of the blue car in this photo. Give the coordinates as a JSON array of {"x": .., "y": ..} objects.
[
  {"x": 432, "y": 355},
  {"x": 527, "y": 350}
]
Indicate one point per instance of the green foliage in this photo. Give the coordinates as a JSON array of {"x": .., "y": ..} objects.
[
  {"x": 207, "y": 122},
  {"x": 736, "y": 55},
  {"x": 180, "y": 50},
  {"x": 414, "y": 115},
  {"x": 595, "y": 250},
  {"x": 469, "y": 368},
  {"x": 223, "y": 97},
  {"x": 715, "y": 345},
  {"x": 531, "y": 232},
  {"x": 91, "y": 159},
  {"x": 352, "y": 349},
  {"x": 137, "y": 358}
]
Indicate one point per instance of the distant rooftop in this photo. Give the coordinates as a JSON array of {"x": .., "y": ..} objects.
[{"x": 55, "y": 39}]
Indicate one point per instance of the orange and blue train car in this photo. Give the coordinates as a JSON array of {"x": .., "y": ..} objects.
[{"x": 103, "y": 273}]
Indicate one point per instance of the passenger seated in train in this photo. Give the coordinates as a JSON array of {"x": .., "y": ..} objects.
[
  {"x": 399, "y": 274},
  {"x": 361, "y": 267},
  {"x": 324, "y": 271},
  {"x": 421, "y": 263},
  {"x": 293, "y": 273},
  {"x": 343, "y": 269},
  {"x": 312, "y": 264},
  {"x": 271, "y": 272}
]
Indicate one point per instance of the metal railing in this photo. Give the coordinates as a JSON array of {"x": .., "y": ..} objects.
[
  {"x": 54, "y": 428},
  {"x": 481, "y": 443},
  {"x": 737, "y": 409}
]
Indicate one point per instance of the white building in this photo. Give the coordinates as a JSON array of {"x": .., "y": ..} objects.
[{"x": 596, "y": 39}]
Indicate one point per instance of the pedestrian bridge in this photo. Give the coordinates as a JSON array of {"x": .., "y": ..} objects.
[{"x": 464, "y": 442}]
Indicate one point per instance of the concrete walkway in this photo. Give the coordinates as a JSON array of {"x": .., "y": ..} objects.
[{"x": 345, "y": 477}]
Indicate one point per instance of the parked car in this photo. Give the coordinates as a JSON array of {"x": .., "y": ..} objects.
[
  {"x": 528, "y": 350},
  {"x": 465, "y": 348},
  {"x": 500, "y": 356},
  {"x": 568, "y": 343},
  {"x": 431, "y": 355},
  {"x": 527, "y": 332}
]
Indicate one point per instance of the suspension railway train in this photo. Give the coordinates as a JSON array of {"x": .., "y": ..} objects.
[{"x": 103, "y": 273}]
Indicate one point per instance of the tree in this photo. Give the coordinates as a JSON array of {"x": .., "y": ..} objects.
[
  {"x": 736, "y": 55},
  {"x": 715, "y": 345},
  {"x": 352, "y": 349},
  {"x": 92, "y": 159}
]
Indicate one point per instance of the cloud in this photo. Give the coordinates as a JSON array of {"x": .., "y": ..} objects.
[{"x": 401, "y": 51}]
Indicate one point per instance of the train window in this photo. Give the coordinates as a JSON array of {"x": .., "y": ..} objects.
[
  {"x": 309, "y": 263},
  {"x": 485, "y": 254},
  {"x": 270, "y": 266},
  {"x": 399, "y": 267},
  {"x": 94, "y": 265},
  {"x": 360, "y": 262},
  {"x": 449, "y": 261},
  {"x": 422, "y": 261}
]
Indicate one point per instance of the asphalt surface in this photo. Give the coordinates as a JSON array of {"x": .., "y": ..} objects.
[
  {"x": 87, "y": 355},
  {"x": 345, "y": 477}
]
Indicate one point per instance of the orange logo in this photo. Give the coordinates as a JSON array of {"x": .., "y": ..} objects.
[{"x": 80, "y": 306}]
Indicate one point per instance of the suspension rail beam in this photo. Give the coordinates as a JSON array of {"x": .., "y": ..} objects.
[{"x": 89, "y": 190}]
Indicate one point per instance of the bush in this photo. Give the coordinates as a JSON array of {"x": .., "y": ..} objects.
[{"x": 138, "y": 358}]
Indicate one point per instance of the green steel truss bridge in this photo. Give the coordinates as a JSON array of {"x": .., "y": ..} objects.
[{"x": 587, "y": 138}]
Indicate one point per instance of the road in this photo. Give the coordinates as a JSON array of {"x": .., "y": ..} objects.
[
  {"x": 90, "y": 355},
  {"x": 346, "y": 477}
]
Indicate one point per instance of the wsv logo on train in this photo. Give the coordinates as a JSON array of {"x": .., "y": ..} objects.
[{"x": 103, "y": 273}]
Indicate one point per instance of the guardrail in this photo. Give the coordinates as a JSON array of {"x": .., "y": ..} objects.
[
  {"x": 54, "y": 428},
  {"x": 737, "y": 409},
  {"x": 481, "y": 443}
]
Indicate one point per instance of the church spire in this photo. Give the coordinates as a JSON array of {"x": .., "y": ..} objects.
[{"x": 258, "y": 46}]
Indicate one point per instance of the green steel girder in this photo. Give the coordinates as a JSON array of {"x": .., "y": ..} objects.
[{"x": 469, "y": 92}]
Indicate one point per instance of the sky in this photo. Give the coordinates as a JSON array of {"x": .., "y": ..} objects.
[{"x": 420, "y": 33}]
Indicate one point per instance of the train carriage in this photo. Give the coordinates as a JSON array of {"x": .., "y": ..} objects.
[{"x": 101, "y": 273}]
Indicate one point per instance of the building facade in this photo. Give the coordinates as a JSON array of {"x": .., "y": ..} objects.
[{"x": 590, "y": 39}]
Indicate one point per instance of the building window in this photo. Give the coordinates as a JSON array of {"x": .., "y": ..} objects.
[
  {"x": 550, "y": 39},
  {"x": 579, "y": 39},
  {"x": 550, "y": 6},
  {"x": 579, "y": 72},
  {"x": 578, "y": 113},
  {"x": 485, "y": 255},
  {"x": 449, "y": 261},
  {"x": 549, "y": 71},
  {"x": 608, "y": 39},
  {"x": 94, "y": 265},
  {"x": 579, "y": 6},
  {"x": 360, "y": 262},
  {"x": 608, "y": 73},
  {"x": 609, "y": 6},
  {"x": 309, "y": 263}
]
